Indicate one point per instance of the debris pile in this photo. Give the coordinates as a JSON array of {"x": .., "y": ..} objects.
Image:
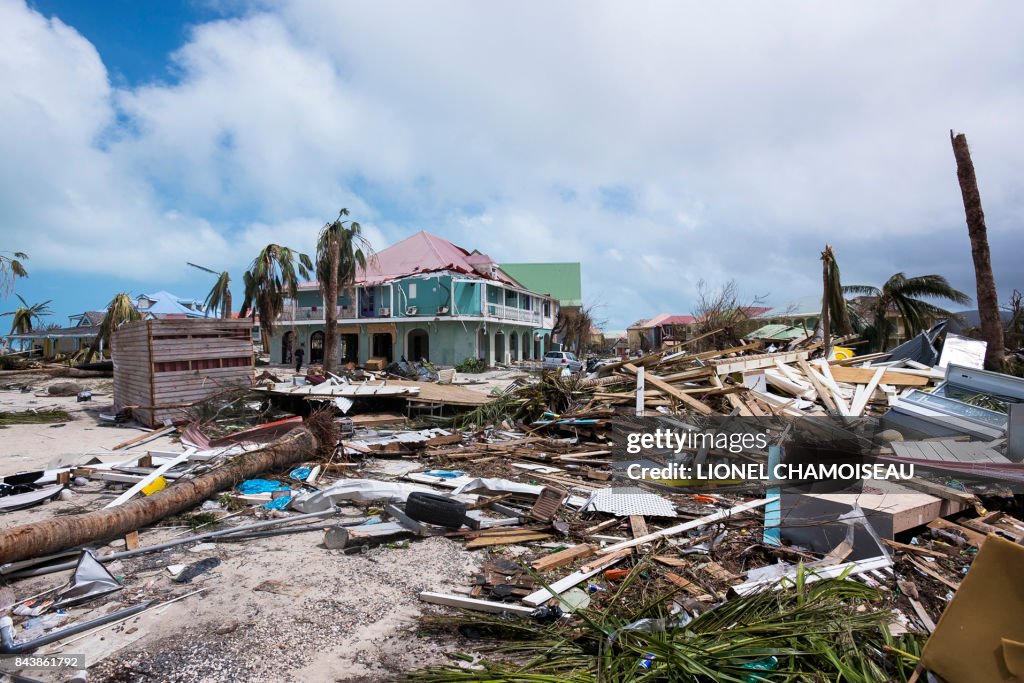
[{"x": 575, "y": 569}]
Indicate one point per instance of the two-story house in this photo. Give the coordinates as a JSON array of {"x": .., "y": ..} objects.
[{"x": 422, "y": 298}]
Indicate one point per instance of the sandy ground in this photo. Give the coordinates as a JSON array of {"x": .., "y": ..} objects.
[
  {"x": 28, "y": 447},
  {"x": 275, "y": 609}
]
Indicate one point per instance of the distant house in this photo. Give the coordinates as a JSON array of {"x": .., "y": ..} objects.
[
  {"x": 663, "y": 330},
  {"x": 85, "y": 326},
  {"x": 166, "y": 306},
  {"x": 423, "y": 298}
]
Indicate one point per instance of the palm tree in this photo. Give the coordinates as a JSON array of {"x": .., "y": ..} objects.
[
  {"x": 25, "y": 316},
  {"x": 11, "y": 267},
  {"x": 120, "y": 310},
  {"x": 219, "y": 298},
  {"x": 341, "y": 251},
  {"x": 272, "y": 276},
  {"x": 834, "y": 311},
  {"x": 902, "y": 295},
  {"x": 988, "y": 298}
]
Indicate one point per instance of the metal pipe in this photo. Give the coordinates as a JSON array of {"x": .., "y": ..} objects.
[
  {"x": 40, "y": 571},
  {"x": 9, "y": 647}
]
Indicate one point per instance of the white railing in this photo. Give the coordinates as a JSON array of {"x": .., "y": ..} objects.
[
  {"x": 293, "y": 313},
  {"x": 511, "y": 313}
]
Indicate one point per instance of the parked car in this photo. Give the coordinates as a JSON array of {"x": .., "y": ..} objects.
[{"x": 557, "y": 360}]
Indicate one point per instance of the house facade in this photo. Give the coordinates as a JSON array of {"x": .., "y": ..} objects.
[
  {"x": 83, "y": 327},
  {"x": 422, "y": 298}
]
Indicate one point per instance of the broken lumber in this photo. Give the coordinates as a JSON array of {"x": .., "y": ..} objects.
[
  {"x": 672, "y": 391},
  {"x": 474, "y": 604},
  {"x": 563, "y": 557},
  {"x": 555, "y": 589},
  {"x": 686, "y": 526}
]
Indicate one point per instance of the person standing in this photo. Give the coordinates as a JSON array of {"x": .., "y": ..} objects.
[{"x": 299, "y": 353}]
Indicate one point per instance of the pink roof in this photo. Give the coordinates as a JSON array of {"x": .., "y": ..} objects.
[
  {"x": 656, "y": 320},
  {"x": 678, "y": 320},
  {"x": 426, "y": 253}
]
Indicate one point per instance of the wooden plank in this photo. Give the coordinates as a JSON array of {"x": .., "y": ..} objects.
[
  {"x": 841, "y": 405},
  {"x": 638, "y": 525},
  {"x": 766, "y": 360},
  {"x": 694, "y": 524},
  {"x": 505, "y": 539},
  {"x": 558, "y": 587},
  {"x": 474, "y": 604},
  {"x": 672, "y": 391},
  {"x": 973, "y": 537},
  {"x": 861, "y": 401},
  {"x": 563, "y": 557},
  {"x": 823, "y": 393},
  {"x": 896, "y": 545},
  {"x": 143, "y": 437},
  {"x": 147, "y": 480},
  {"x": 864, "y": 376},
  {"x": 934, "y": 574}
]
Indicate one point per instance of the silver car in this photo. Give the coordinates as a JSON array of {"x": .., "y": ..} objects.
[{"x": 557, "y": 360}]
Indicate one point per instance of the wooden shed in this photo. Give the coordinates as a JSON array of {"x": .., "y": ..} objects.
[{"x": 162, "y": 366}]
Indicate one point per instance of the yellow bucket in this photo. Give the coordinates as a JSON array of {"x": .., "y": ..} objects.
[
  {"x": 157, "y": 484},
  {"x": 841, "y": 353}
]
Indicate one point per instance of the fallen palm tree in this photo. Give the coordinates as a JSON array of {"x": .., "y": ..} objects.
[{"x": 317, "y": 436}]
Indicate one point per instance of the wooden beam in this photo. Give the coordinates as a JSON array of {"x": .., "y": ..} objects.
[
  {"x": 864, "y": 375},
  {"x": 860, "y": 401},
  {"x": 544, "y": 594},
  {"x": 147, "y": 480},
  {"x": 474, "y": 604},
  {"x": 563, "y": 557},
  {"x": 682, "y": 528},
  {"x": 823, "y": 392},
  {"x": 638, "y": 525},
  {"x": 672, "y": 391}
]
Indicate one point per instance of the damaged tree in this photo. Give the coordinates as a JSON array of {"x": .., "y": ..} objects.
[
  {"x": 61, "y": 533},
  {"x": 988, "y": 299},
  {"x": 341, "y": 252}
]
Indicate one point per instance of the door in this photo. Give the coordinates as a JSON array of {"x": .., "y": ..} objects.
[
  {"x": 287, "y": 341},
  {"x": 316, "y": 348}
]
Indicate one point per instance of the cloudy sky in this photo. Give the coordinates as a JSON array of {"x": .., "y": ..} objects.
[{"x": 658, "y": 143}]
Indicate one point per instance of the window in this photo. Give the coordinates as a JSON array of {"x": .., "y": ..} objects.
[
  {"x": 547, "y": 309},
  {"x": 412, "y": 290}
]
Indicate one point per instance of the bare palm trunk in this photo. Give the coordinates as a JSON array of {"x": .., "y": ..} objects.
[
  {"x": 331, "y": 309},
  {"x": 60, "y": 533},
  {"x": 988, "y": 298},
  {"x": 227, "y": 304},
  {"x": 826, "y": 339}
]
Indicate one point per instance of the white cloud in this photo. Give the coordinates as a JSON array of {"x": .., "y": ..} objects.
[{"x": 659, "y": 144}]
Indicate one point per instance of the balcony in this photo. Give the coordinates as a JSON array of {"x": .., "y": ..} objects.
[
  {"x": 512, "y": 313},
  {"x": 299, "y": 313}
]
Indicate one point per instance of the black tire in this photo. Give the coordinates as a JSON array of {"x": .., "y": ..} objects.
[{"x": 434, "y": 509}]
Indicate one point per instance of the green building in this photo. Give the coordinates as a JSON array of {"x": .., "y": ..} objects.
[{"x": 423, "y": 298}]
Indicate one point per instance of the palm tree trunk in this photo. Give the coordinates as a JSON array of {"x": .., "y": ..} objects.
[
  {"x": 60, "y": 533},
  {"x": 988, "y": 298},
  {"x": 826, "y": 326},
  {"x": 331, "y": 309},
  {"x": 227, "y": 304}
]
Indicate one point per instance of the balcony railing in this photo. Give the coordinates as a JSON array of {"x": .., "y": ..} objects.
[
  {"x": 294, "y": 313},
  {"x": 512, "y": 313}
]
